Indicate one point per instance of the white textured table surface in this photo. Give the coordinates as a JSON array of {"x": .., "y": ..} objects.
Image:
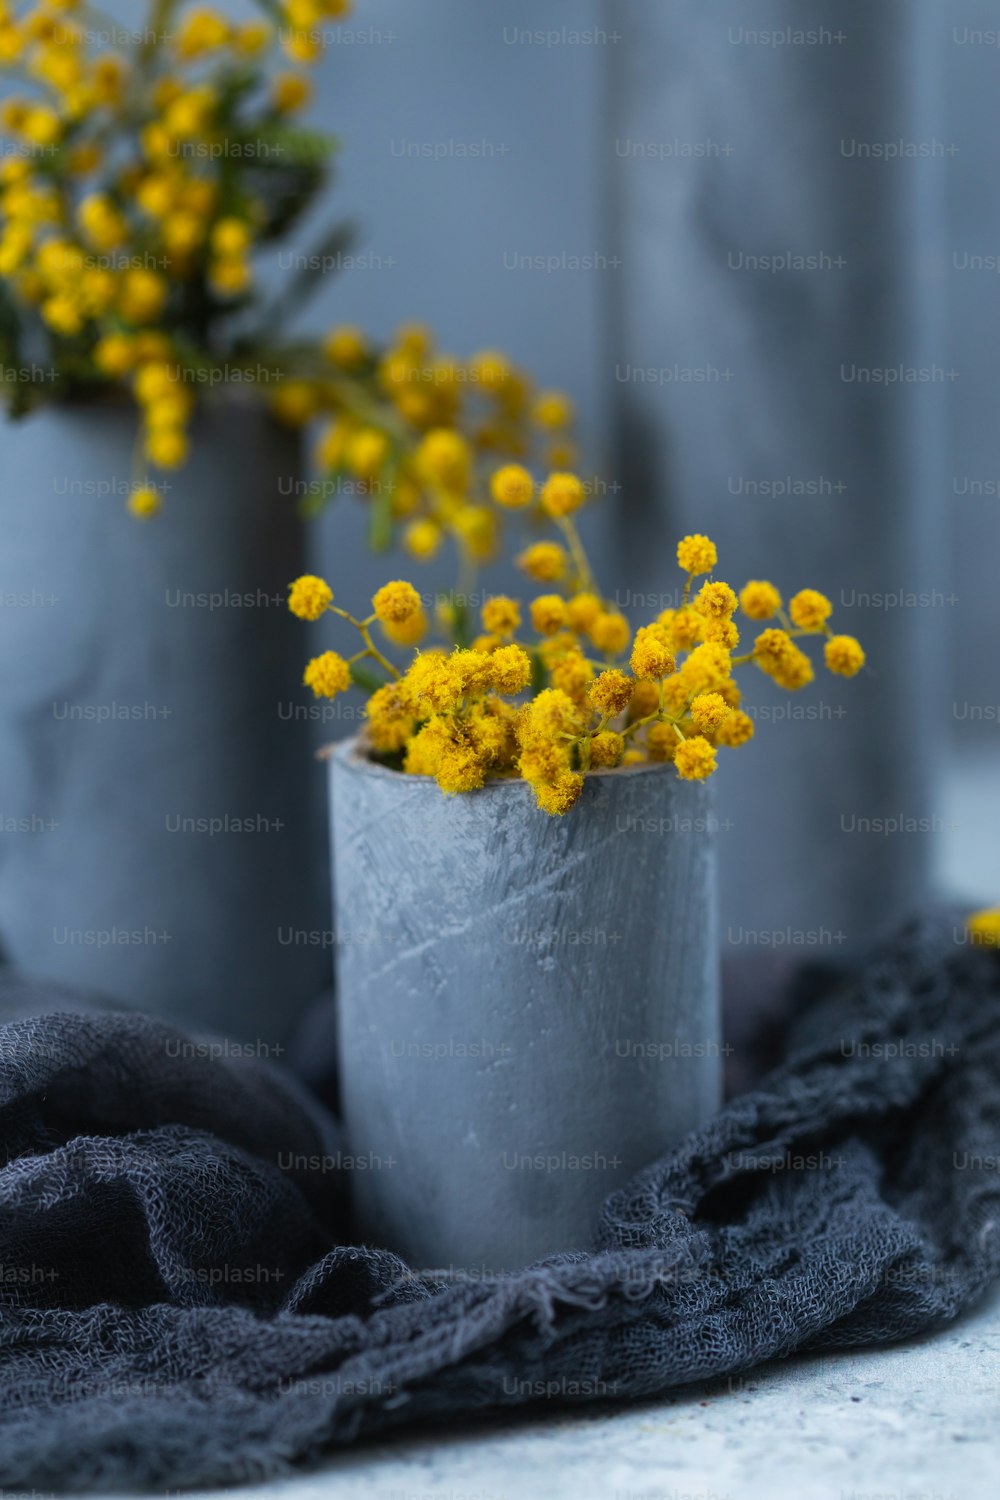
[{"x": 917, "y": 1421}]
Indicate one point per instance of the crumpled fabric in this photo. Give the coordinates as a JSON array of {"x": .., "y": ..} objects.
[{"x": 181, "y": 1303}]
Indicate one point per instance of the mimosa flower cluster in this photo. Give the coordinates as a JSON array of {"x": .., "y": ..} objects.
[
  {"x": 140, "y": 192},
  {"x": 415, "y": 432},
  {"x": 559, "y": 686}
]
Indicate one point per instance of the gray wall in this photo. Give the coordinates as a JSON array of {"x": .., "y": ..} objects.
[
  {"x": 464, "y": 149},
  {"x": 972, "y": 496},
  {"x": 447, "y": 76},
  {"x": 775, "y": 277},
  {"x": 435, "y": 227},
  {"x": 453, "y": 78}
]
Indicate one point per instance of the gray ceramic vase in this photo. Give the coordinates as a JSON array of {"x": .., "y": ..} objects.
[
  {"x": 768, "y": 424},
  {"x": 527, "y": 1006},
  {"x": 163, "y": 827}
]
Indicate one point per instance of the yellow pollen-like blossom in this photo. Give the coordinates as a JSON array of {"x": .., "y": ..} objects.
[
  {"x": 166, "y": 447},
  {"x": 231, "y": 237},
  {"x": 501, "y": 615},
  {"x": 709, "y": 711},
  {"x": 395, "y": 602},
  {"x": 561, "y": 494},
  {"x": 661, "y": 742},
  {"x": 444, "y": 458},
  {"x": 346, "y": 346},
  {"x": 558, "y": 796},
  {"x": 548, "y": 613},
  {"x": 651, "y": 656},
  {"x": 721, "y": 633},
  {"x": 390, "y": 718},
  {"x": 606, "y": 748},
  {"x": 144, "y": 502},
  {"x": 512, "y": 487},
  {"x": 309, "y": 597},
  {"x": 686, "y": 627},
  {"x": 736, "y": 730},
  {"x": 697, "y": 554},
  {"x": 545, "y": 562},
  {"x": 983, "y": 928},
  {"x": 694, "y": 759},
  {"x": 760, "y": 600},
  {"x": 716, "y": 601},
  {"x": 610, "y": 632},
  {"x": 433, "y": 681},
  {"x": 289, "y": 92},
  {"x": 778, "y": 655},
  {"x": 844, "y": 655},
  {"x": 327, "y": 675},
  {"x": 611, "y": 693},
  {"x": 809, "y": 609},
  {"x": 574, "y": 674},
  {"x": 367, "y": 451},
  {"x": 422, "y": 539},
  {"x": 510, "y": 670},
  {"x": 582, "y": 610},
  {"x": 408, "y": 632},
  {"x": 552, "y": 410},
  {"x": 707, "y": 668}
]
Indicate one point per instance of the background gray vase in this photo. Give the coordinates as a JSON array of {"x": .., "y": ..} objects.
[
  {"x": 749, "y": 405},
  {"x": 163, "y": 830},
  {"x": 528, "y": 1006}
]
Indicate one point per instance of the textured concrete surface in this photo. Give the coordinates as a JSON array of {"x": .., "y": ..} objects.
[{"x": 918, "y": 1421}]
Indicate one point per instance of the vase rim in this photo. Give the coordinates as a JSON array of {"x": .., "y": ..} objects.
[{"x": 352, "y": 752}]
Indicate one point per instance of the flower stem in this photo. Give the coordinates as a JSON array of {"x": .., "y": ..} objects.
[
  {"x": 585, "y": 577},
  {"x": 370, "y": 647},
  {"x": 373, "y": 651}
]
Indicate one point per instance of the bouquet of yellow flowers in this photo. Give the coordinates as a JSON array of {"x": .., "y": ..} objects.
[
  {"x": 138, "y": 182},
  {"x": 584, "y": 694},
  {"x": 145, "y": 172}
]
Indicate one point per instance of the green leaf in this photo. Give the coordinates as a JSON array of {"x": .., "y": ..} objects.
[
  {"x": 380, "y": 522},
  {"x": 313, "y": 264},
  {"x": 313, "y": 505},
  {"x": 279, "y": 145},
  {"x": 461, "y": 626},
  {"x": 363, "y": 678},
  {"x": 285, "y": 194},
  {"x": 539, "y": 676}
]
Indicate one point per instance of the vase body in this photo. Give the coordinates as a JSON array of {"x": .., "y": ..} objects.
[
  {"x": 780, "y": 381},
  {"x": 161, "y": 828},
  {"x": 527, "y": 1006}
]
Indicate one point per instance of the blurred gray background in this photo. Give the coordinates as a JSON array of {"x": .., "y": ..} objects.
[
  {"x": 829, "y": 420},
  {"x": 668, "y": 138}
]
